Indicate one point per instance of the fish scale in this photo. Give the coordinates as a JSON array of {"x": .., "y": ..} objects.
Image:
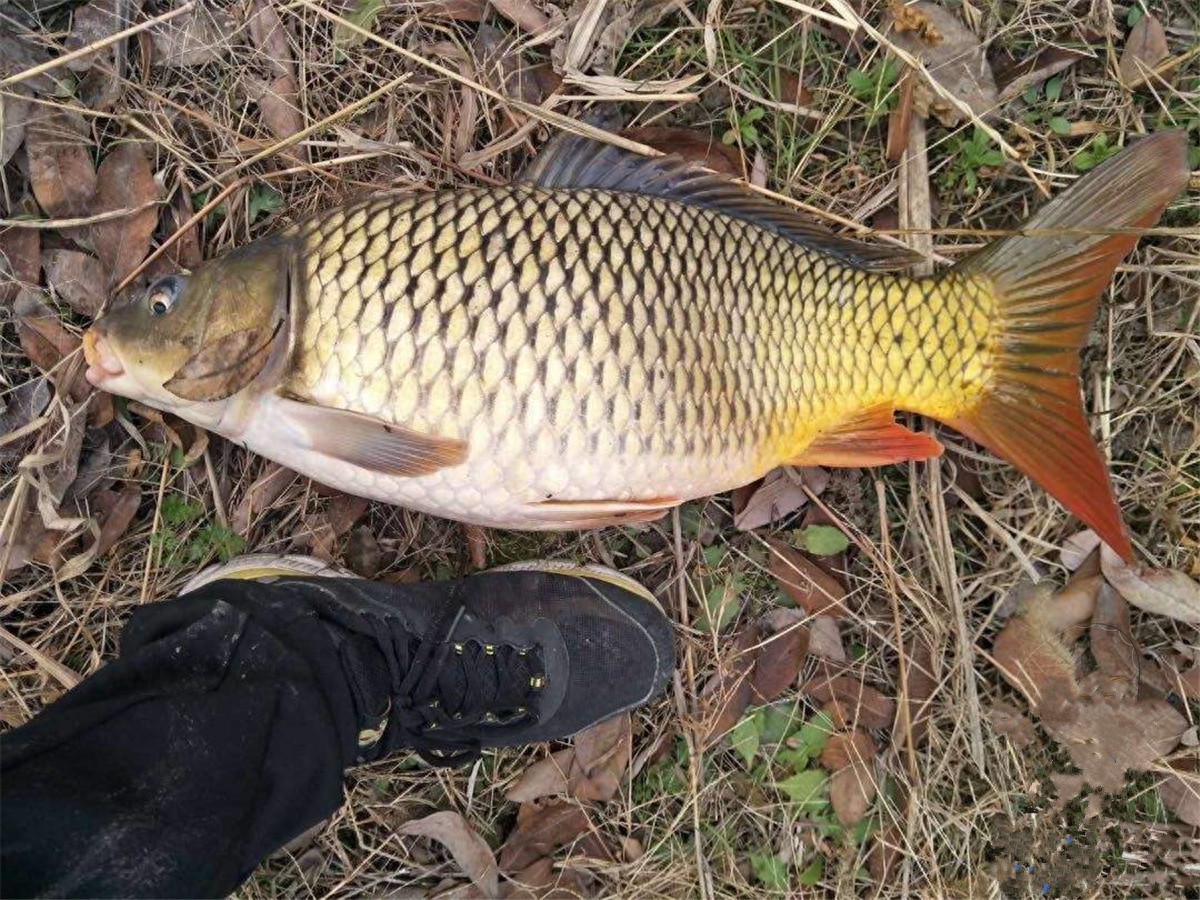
[{"x": 620, "y": 327}]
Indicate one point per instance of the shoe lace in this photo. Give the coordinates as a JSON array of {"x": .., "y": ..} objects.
[{"x": 443, "y": 690}]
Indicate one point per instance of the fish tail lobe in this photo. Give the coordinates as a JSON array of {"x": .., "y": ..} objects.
[{"x": 1046, "y": 283}]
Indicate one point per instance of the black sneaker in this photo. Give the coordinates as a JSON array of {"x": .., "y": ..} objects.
[{"x": 524, "y": 653}]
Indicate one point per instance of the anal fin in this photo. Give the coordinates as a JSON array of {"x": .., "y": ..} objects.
[
  {"x": 370, "y": 443},
  {"x": 871, "y": 437},
  {"x": 583, "y": 514}
]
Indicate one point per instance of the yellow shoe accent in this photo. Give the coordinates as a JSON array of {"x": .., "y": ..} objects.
[
  {"x": 599, "y": 573},
  {"x": 266, "y": 567}
]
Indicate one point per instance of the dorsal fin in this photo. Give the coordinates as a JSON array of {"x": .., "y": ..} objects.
[{"x": 570, "y": 161}]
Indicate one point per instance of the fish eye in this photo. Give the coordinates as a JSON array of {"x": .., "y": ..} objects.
[{"x": 162, "y": 295}]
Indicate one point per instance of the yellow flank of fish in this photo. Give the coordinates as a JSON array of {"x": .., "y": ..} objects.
[{"x": 622, "y": 321}]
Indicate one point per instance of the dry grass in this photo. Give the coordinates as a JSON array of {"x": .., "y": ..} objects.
[{"x": 944, "y": 564}]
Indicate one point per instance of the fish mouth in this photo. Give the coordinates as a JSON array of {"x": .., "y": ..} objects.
[{"x": 102, "y": 360}]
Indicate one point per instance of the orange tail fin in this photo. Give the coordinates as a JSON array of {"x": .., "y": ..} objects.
[{"x": 1048, "y": 282}]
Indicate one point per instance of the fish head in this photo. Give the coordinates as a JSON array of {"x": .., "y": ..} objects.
[{"x": 198, "y": 338}]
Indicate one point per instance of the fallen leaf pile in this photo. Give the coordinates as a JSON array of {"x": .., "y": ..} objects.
[
  {"x": 79, "y": 489},
  {"x": 1126, "y": 712}
]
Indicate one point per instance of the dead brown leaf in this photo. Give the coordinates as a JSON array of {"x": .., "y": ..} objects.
[
  {"x": 14, "y": 113},
  {"x": 885, "y": 853},
  {"x": 726, "y": 695},
  {"x": 60, "y": 163},
  {"x": 185, "y": 252},
  {"x": 1077, "y": 548},
  {"x": 591, "y": 770},
  {"x": 1166, "y": 592},
  {"x": 900, "y": 119},
  {"x": 810, "y": 587},
  {"x": 260, "y": 496},
  {"x": 545, "y": 825},
  {"x": 456, "y": 10},
  {"x": 19, "y": 55},
  {"x": 78, "y": 278},
  {"x": 919, "y": 687},
  {"x": 825, "y": 640},
  {"x": 116, "y": 514},
  {"x": 19, "y": 407},
  {"x": 851, "y": 791},
  {"x": 1145, "y": 48},
  {"x": 20, "y": 261},
  {"x": 1113, "y": 646},
  {"x": 526, "y": 15},
  {"x": 602, "y": 755},
  {"x": 91, "y": 23},
  {"x": 278, "y": 102},
  {"x": 1013, "y": 724},
  {"x": 1044, "y": 64},
  {"x": 476, "y": 538},
  {"x": 278, "y": 96},
  {"x": 955, "y": 60},
  {"x": 1181, "y": 790},
  {"x": 196, "y": 38},
  {"x": 844, "y": 748},
  {"x": 1034, "y": 657},
  {"x": 1070, "y": 609},
  {"x": 125, "y": 182},
  {"x": 855, "y": 702},
  {"x": 780, "y": 655},
  {"x": 1071, "y": 786},
  {"x": 363, "y": 555},
  {"x": 691, "y": 144},
  {"x": 47, "y": 343},
  {"x": 1109, "y": 735},
  {"x": 792, "y": 90},
  {"x": 344, "y": 511},
  {"x": 469, "y": 850},
  {"x": 545, "y": 778},
  {"x": 780, "y": 495}
]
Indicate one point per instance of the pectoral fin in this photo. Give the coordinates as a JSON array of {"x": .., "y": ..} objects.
[
  {"x": 584, "y": 514},
  {"x": 369, "y": 442},
  {"x": 871, "y": 437}
]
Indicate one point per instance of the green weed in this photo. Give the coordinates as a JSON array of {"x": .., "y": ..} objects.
[
  {"x": 970, "y": 155},
  {"x": 179, "y": 542}
]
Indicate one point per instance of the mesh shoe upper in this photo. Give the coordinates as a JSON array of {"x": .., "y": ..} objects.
[{"x": 499, "y": 658}]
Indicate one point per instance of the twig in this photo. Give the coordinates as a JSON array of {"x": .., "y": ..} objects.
[
  {"x": 695, "y": 747},
  {"x": 50, "y": 224}
]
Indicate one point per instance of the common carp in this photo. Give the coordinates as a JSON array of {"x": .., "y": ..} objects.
[{"x": 615, "y": 335}]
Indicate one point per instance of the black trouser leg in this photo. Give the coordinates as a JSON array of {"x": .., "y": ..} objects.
[{"x": 219, "y": 734}]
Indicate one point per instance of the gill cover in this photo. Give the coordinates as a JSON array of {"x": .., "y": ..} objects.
[{"x": 241, "y": 305}]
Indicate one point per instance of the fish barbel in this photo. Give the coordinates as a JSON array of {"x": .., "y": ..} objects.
[{"x": 616, "y": 335}]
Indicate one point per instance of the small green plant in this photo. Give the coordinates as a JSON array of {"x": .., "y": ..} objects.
[
  {"x": 1044, "y": 106},
  {"x": 1096, "y": 152},
  {"x": 263, "y": 200},
  {"x": 821, "y": 540},
  {"x": 874, "y": 88},
  {"x": 179, "y": 544},
  {"x": 770, "y": 871},
  {"x": 970, "y": 156},
  {"x": 744, "y": 129}
]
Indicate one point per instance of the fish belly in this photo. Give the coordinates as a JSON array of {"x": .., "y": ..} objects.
[{"x": 503, "y": 480}]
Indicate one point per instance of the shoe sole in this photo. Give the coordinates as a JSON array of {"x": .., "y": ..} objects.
[
  {"x": 265, "y": 567},
  {"x": 588, "y": 570}
]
